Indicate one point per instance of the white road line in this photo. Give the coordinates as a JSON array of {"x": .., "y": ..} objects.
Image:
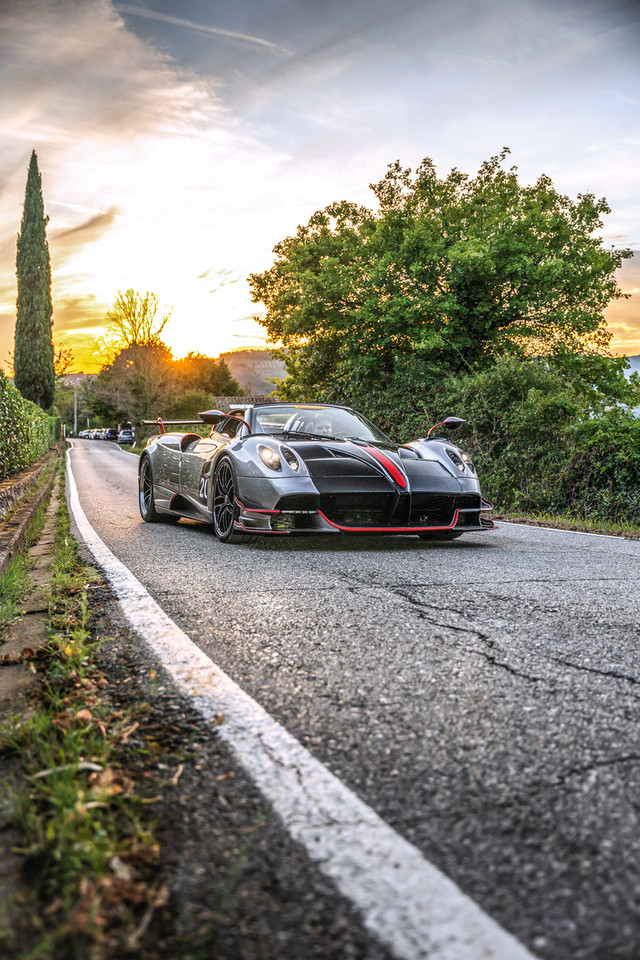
[
  {"x": 576, "y": 533},
  {"x": 405, "y": 901}
]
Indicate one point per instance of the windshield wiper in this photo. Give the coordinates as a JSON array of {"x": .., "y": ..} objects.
[{"x": 292, "y": 434}]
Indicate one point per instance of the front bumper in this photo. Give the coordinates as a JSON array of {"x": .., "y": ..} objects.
[{"x": 368, "y": 514}]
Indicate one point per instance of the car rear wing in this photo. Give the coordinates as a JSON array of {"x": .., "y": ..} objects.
[
  {"x": 161, "y": 424},
  {"x": 211, "y": 417}
]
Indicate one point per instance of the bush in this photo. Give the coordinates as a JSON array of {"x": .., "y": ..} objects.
[
  {"x": 26, "y": 431},
  {"x": 604, "y": 477},
  {"x": 519, "y": 430},
  {"x": 542, "y": 443}
]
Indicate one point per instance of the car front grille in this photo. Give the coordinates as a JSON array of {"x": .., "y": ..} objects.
[
  {"x": 386, "y": 510},
  {"x": 358, "y": 509},
  {"x": 438, "y": 509}
]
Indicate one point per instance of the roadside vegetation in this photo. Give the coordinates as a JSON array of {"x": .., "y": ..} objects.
[
  {"x": 85, "y": 827},
  {"x": 476, "y": 297},
  {"x": 15, "y": 583},
  {"x": 630, "y": 531},
  {"x": 26, "y": 431}
]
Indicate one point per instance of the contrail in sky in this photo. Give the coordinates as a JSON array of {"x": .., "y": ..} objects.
[{"x": 152, "y": 15}]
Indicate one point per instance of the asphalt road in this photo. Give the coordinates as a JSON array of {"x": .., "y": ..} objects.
[{"x": 482, "y": 696}]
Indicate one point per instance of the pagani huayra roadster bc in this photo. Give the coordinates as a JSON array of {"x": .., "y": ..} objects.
[{"x": 278, "y": 468}]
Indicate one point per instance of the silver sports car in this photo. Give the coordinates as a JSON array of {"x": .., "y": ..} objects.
[{"x": 284, "y": 468}]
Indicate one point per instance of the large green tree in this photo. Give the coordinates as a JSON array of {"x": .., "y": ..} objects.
[
  {"x": 34, "y": 374},
  {"x": 443, "y": 277}
]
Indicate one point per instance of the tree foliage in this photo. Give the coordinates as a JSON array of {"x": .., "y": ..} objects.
[
  {"x": 133, "y": 320},
  {"x": 143, "y": 381},
  {"x": 474, "y": 296},
  {"x": 33, "y": 353},
  {"x": 445, "y": 276},
  {"x": 197, "y": 372},
  {"x": 135, "y": 385},
  {"x": 603, "y": 480}
]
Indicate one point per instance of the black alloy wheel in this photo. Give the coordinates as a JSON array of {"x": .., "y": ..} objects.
[
  {"x": 146, "y": 499},
  {"x": 224, "y": 506},
  {"x": 146, "y": 502}
]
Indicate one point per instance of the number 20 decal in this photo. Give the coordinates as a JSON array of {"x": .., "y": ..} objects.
[{"x": 204, "y": 488}]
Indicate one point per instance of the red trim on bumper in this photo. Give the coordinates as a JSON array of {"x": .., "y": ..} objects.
[{"x": 250, "y": 509}]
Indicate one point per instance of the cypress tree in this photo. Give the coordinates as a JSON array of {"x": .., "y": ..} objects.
[{"x": 34, "y": 374}]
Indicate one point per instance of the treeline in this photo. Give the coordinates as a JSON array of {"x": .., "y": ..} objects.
[
  {"x": 472, "y": 296},
  {"x": 26, "y": 431},
  {"x": 140, "y": 379},
  {"x": 143, "y": 381}
]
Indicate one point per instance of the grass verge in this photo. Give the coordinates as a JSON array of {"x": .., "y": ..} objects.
[
  {"x": 582, "y": 525},
  {"x": 85, "y": 831}
]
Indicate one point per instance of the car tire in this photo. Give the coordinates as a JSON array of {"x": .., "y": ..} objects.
[
  {"x": 146, "y": 500},
  {"x": 224, "y": 509}
]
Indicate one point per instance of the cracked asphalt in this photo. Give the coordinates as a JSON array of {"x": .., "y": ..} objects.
[{"x": 481, "y": 695}]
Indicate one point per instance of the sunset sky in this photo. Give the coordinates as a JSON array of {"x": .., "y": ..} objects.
[{"x": 180, "y": 140}]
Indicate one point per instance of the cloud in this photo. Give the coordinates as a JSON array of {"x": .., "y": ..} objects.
[
  {"x": 140, "y": 161},
  {"x": 74, "y": 70},
  {"x": 79, "y": 313},
  {"x": 66, "y": 242},
  {"x": 623, "y": 316},
  {"x": 153, "y": 172},
  {"x": 201, "y": 28}
]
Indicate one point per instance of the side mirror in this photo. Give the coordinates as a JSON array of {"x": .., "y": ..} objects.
[
  {"x": 212, "y": 416},
  {"x": 451, "y": 423}
]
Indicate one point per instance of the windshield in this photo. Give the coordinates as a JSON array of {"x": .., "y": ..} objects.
[{"x": 316, "y": 420}]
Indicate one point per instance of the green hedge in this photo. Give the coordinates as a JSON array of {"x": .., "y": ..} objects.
[
  {"x": 540, "y": 442},
  {"x": 26, "y": 431},
  {"x": 603, "y": 481}
]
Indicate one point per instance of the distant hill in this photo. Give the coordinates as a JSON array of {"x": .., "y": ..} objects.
[
  {"x": 253, "y": 368},
  {"x": 635, "y": 365}
]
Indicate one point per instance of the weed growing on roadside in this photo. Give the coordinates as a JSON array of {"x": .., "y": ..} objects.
[
  {"x": 89, "y": 851},
  {"x": 14, "y": 586}
]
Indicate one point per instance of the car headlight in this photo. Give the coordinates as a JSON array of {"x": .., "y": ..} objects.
[
  {"x": 469, "y": 462},
  {"x": 291, "y": 458},
  {"x": 455, "y": 457},
  {"x": 269, "y": 457}
]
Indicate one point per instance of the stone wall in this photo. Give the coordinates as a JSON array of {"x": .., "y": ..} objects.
[{"x": 12, "y": 489}]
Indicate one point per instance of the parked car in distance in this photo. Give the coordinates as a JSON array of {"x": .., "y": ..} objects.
[
  {"x": 126, "y": 436},
  {"x": 110, "y": 433}
]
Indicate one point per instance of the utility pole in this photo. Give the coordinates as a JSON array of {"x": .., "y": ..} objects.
[{"x": 75, "y": 413}]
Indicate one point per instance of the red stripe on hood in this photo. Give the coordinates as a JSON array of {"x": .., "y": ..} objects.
[{"x": 389, "y": 466}]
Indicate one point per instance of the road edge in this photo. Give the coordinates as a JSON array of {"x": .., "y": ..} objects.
[{"x": 405, "y": 901}]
